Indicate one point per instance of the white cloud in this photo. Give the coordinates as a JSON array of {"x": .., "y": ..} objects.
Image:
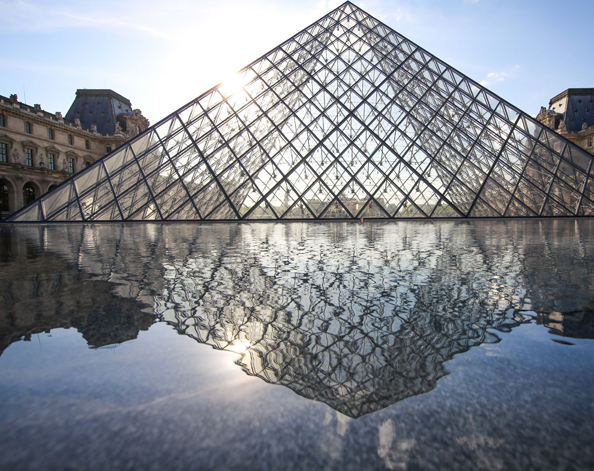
[
  {"x": 59, "y": 70},
  {"x": 495, "y": 77},
  {"x": 500, "y": 77},
  {"x": 33, "y": 16}
]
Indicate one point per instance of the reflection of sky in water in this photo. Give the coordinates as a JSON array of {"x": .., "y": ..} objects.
[{"x": 356, "y": 317}]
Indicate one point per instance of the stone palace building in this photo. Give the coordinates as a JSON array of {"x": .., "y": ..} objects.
[{"x": 39, "y": 149}]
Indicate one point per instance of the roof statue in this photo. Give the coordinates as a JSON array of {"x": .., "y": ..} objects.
[{"x": 346, "y": 119}]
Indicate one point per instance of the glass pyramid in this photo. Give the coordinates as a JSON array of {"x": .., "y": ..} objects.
[{"x": 347, "y": 119}]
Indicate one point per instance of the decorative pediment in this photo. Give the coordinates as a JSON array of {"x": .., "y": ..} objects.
[
  {"x": 7, "y": 139},
  {"x": 30, "y": 144},
  {"x": 52, "y": 149}
]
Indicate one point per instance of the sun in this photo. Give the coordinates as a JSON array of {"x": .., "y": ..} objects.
[
  {"x": 231, "y": 85},
  {"x": 239, "y": 346}
]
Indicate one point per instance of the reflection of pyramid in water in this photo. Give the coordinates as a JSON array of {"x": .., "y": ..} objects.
[
  {"x": 346, "y": 119},
  {"x": 358, "y": 333}
]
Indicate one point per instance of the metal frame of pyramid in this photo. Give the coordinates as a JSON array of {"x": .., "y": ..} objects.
[{"x": 347, "y": 119}]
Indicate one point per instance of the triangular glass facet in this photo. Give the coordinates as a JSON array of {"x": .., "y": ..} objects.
[{"x": 346, "y": 119}]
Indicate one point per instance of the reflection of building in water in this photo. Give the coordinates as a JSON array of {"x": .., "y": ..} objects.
[
  {"x": 575, "y": 324},
  {"x": 356, "y": 327},
  {"x": 40, "y": 291}
]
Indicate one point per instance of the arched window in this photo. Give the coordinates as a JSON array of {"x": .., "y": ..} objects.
[
  {"x": 28, "y": 193},
  {"x": 4, "y": 197},
  {"x": 51, "y": 187}
]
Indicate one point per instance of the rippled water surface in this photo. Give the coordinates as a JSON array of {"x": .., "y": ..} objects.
[{"x": 408, "y": 345}]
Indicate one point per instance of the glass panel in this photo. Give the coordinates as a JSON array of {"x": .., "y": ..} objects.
[
  {"x": 516, "y": 208},
  {"x": 263, "y": 211},
  {"x": 444, "y": 210},
  {"x": 482, "y": 209},
  {"x": 171, "y": 199},
  {"x": 496, "y": 196},
  {"x": 298, "y": 211},
  {"x": 147, "y": 213},
  {"x": 96, "y": 199},
  {"x": 586, "y": 208},
  {"x": 409, "y": 210},
  {"x": 529, "y": 195},
  {"x": 185, "y": 213},
  {"x": 29, "y": 215},
  {"x": 88, "y": 178},
  {"x": 108, "y": 213},
  {"x": 125, "y": 178},
  {"x": 134, "y": 199},
  {"x": 70, "y": 213},
  {"x": 58, "y": 198},
  {"x": 578, "y": 157},
  {"x": 336, "y": 211},
  {"x": 116, "y": 160},
  {"x": 208, "y": 199},
  {"x": 553, "y": 208},
  {"x": 568, "y": 197}
]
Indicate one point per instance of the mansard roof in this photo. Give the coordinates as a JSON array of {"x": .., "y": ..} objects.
[
  {"x": 579, "y": 109},
  {"x": 98, "y": 107}
]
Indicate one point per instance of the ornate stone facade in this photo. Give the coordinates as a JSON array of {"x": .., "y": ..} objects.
[
  {"x": 571, "y": 114},
  {"x": 39, "y": 150}
]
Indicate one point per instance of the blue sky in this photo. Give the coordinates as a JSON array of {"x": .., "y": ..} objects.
[{"x": 161, "y": 55}]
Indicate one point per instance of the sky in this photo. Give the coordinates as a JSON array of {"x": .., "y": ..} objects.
[{"x": 162, "y": 54}]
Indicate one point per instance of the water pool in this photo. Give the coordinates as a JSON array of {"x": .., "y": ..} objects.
[{"x": 388, "y": 345}]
